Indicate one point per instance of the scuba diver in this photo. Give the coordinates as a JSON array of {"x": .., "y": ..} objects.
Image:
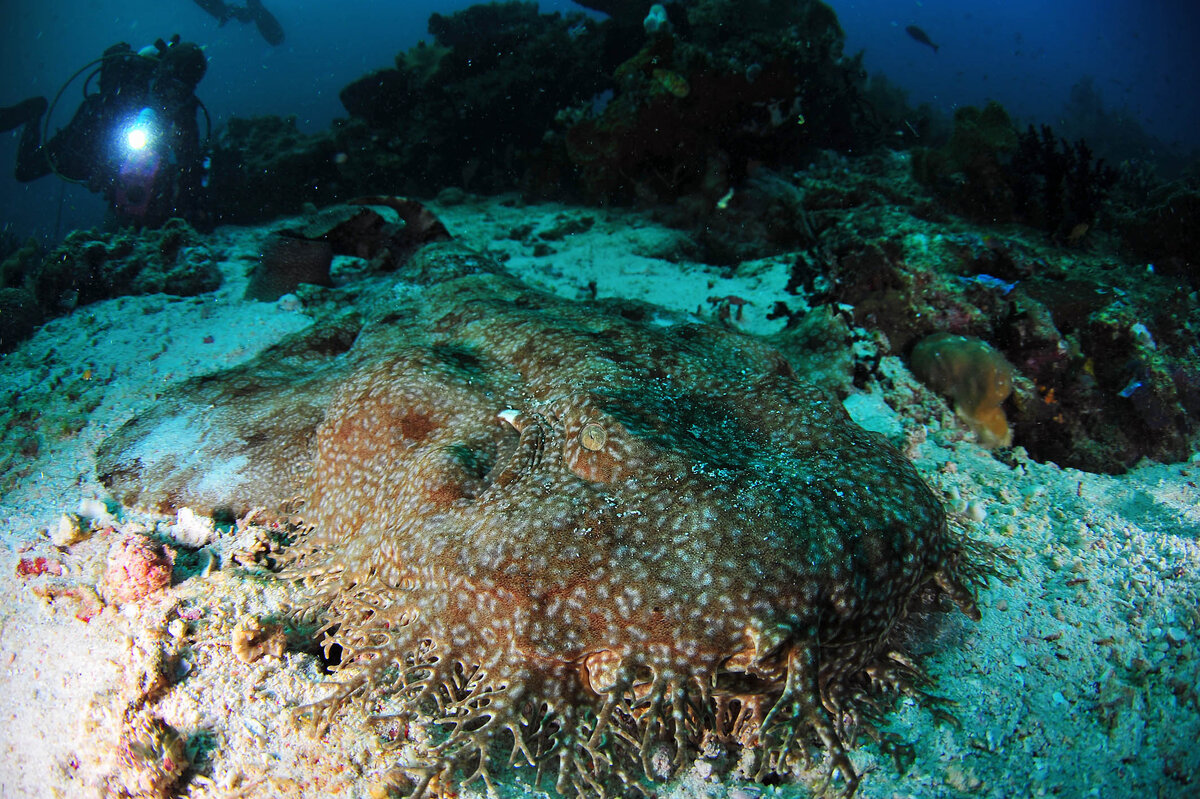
[
  {"x": 135, "y": 138},
  {"x": 253, "y": 11}
]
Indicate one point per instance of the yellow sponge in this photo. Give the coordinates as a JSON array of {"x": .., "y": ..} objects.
[{"x": 975, "y": 375}]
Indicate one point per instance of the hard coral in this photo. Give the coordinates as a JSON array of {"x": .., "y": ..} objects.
[
  {"x": 969, "y": 172},
  {"x": 1058, "y": 185},
  {"x": 423, "y": 117},
  {"x": 172, "y": 260},
  {"x": 19, "y": 317},
  {"x": 765, "y": 82},
  {"x": 265, "y": 167},
  {"x": 972, "y": 373},
  {"x": 1089, "y": 394}
]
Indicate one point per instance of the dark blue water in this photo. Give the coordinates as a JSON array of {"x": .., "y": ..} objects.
[
  {"x": 1143, "y": 56},
  {"x": 1027, "y": 54}
]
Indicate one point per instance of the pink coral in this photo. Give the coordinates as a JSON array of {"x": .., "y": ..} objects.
[{"x": 137, "y": 567}]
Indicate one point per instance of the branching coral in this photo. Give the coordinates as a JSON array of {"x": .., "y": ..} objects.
[
  {"x": 989, "y": 171},
  {"x": 1058, "y": 185}
]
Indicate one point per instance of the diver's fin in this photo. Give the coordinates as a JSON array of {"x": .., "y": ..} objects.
[
  {"x": 266, "y": 23},
  {"x": 23, "y": 112},
  {"x": 216, "y": 8}
]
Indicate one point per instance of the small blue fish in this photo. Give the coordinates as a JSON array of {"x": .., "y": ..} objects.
[
  {"x": 1130, "y": 389},
  {"x": 988, "y": 281}
]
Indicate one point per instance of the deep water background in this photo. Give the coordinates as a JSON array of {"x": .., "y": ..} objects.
[{"x": 1143, "y": 56}]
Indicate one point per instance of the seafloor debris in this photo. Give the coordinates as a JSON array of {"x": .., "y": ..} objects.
[
  {"x": 69, "y": 530},
  {"x": 137, "y": 567},
  {"x": 150, "y": 758},
  {"x": 192, "y": 530},
  {"x": 253, "y": 638}
]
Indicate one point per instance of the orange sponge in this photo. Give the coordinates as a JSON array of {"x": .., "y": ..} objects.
[{"x": 975, "y": 375}]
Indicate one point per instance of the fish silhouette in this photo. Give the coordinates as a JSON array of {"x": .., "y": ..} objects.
[
  {"x": 921, "y": 36},
  {"x": 253, "y": 11}
]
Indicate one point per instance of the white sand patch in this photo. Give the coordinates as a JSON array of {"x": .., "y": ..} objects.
[{"x": 618, "y": 253}]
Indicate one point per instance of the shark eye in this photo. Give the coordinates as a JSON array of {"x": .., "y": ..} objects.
[{"x": 592, "y": 436}]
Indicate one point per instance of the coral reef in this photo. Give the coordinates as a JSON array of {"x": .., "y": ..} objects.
[
  {"x": 90, "y": 266},
  {"x": 770, "y": 213},
  {"x": 424, "y": 114},
  {"x": 609, "y": 110},
  {"x": 969, "y": 171},
  {"x": 20, "y": 315},
  {"x": 734, "y": 84},
  {"x": 265, "y": 167},
  {"x": 989, "y": 172},
  {"x": 1058, "y": 186},
  {"x": 19, "y": 262},
  {"x": 522, "y": 511},
  {"x": 1099, "y": 395},
  {"x": 1164, "y": 230},
  {"x": 415, "y": 127},
  {"x": 87, "y": 267}
]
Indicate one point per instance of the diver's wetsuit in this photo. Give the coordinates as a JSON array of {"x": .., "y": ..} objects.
[{"x": 90, "y": 149}]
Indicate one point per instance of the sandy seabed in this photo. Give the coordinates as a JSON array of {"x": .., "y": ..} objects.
[{"x": 1083, "y": 678}]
